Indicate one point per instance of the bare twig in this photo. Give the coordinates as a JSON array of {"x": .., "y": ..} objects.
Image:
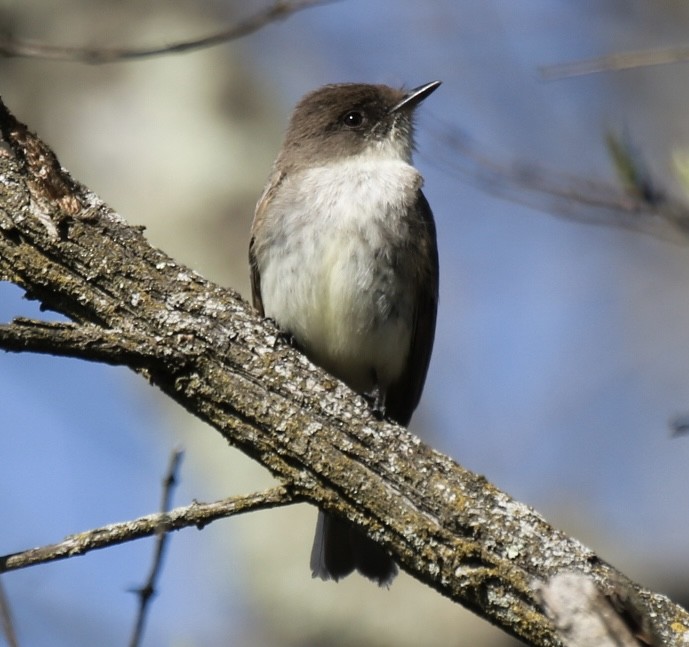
[
  {"x": 196, "y": 514},
  {"x": 279, "y": 10},
  {"x": 638, "y": 205},
  {"x": 147, "y": 591},
  {"x": 6, "y": 619},
  {"x": 615, "y": 63}
]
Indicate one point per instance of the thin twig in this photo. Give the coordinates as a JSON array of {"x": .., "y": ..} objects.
[
  {"x": 614, "y": 63},
  {"x": 6, "y": 619},
  {"x": 279, "y": 10},
  {"x": 196, "y": 514},
  {"x": 147, "y": 591},
  {"x": 579, "y": 199}
]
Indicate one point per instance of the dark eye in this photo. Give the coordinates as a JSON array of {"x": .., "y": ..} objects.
[{"x": 353, "y": 119}]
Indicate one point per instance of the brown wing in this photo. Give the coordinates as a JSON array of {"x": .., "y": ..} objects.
[
  {"x": 259, "y": 217},
  {"x": 255, "y": 280},
  {"x": 403, "y": 396}
]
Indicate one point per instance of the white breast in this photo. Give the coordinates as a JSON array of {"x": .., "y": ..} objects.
[{"x": 334, "y": 277}]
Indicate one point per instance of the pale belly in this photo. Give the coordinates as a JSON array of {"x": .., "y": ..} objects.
[
  {"x": 345, "y": 308},
  {"x": 340, "y": 282}
]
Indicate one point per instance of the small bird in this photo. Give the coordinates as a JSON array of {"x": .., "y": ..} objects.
[{"x": 344, "y": 258}]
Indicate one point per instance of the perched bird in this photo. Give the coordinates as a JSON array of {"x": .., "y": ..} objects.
[{"x": 344, "y": 258}]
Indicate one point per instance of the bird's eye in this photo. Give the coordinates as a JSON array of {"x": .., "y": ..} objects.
[{"x": 353, "y": 119}]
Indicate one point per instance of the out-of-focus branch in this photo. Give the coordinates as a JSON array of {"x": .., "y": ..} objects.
[
  {"x": 279, "y": 10},
  {"x": 196, "y": 514},
  {"x": 447, "y": 527},
  {"x": 615, "y": 62},
  {"x": 637, "y": 203},
  {"x": 6, "y": 619}
]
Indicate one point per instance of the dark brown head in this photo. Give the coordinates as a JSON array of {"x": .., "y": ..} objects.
[{"x": 337, "y": 121}]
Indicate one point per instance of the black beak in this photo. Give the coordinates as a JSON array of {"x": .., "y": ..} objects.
[{"x": 414, "y": 97}]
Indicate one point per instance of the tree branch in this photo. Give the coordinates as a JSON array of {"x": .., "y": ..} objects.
[
  {"x": 615, "y": 62},
  {"x": 6, "y": 621},
  {"x": 148, "y": 590},
  {"x": 636, "y": 203},
  {"x": 279, "y": 10},
  {"x": 88, "y": 342},
  {"x": 446, "y": 526},
  {"x": 196, "y": 514}
]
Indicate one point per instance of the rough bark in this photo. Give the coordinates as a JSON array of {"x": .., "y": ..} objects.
[{"x": 204, "y": 347}]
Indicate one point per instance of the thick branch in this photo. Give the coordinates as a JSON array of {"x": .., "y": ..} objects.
[
  {"x": 196, "y": 514},
  {"x": 446, "y": 526},
  {"x": 87, "y": 341}
]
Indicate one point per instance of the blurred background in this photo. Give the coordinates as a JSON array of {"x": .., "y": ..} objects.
[{"x": 562, "y": 349}]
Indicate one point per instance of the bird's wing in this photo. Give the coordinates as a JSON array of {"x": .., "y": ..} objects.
[
  {"x": 404, "y": 394},
  {"x": 259, "y": 217}
]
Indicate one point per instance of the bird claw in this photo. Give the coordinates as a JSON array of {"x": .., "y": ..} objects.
[
  {"x": 282, "y": 336},
  {"x": 376, "y": 400}
]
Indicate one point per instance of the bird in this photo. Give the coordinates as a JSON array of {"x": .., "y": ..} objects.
[{"x": 343, "y": 257}]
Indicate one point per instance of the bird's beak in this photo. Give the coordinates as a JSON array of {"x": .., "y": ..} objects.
[{"x": 414, "y": 97}]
